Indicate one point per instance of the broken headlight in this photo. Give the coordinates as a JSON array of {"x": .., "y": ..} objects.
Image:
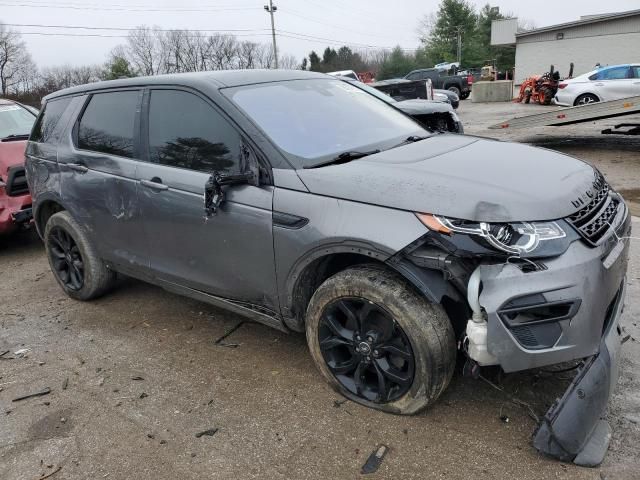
[{"x": 522, "y": 239}]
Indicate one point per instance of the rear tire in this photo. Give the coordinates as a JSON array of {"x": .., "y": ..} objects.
[
  {"x": 391, "y": 334},
  {"x": 73, "y": 259},
  {"x": 455, "y": 90},
  {"x": 586, "y": 99}
]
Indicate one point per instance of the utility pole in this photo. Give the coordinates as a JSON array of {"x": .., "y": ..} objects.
[
  {"x": 271, "y": 8},
  {"x": 459, "y": 34}
]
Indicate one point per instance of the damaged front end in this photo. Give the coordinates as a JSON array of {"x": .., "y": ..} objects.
[{"x": 545, "y": 304}]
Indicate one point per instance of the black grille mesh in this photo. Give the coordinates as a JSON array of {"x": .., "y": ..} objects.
[{"x": 593, "y": 220}]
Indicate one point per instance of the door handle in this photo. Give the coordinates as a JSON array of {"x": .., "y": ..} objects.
[
  {"x": 154, "y": 184},
  {"x": 77, "y": 167},
  {"x": 599, "y": 84}
]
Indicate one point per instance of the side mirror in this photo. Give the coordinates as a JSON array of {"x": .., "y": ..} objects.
[{"x": 213, "y": 193}]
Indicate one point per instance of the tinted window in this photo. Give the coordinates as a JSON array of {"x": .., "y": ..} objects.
[
  {"x": 617, "y": 73},
  {"x": 314, "y": 120},
  {"x": 43, "y": 129},
  {"x": 416, "y": 76},
  {"x": 187, "y": 132},
  {"x": 15, "y": 120},
  {"x": 636, "y": 71},
  {"x": 107, "y": 124}
]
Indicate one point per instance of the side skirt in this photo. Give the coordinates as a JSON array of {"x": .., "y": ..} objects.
[{"x": 250, "y": 311}]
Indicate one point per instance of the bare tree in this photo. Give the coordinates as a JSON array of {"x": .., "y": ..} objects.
[
  {"x": 145, "y": 53},
  {"x": 288, "y": 62},
  {"x": 15, "y": 61}
]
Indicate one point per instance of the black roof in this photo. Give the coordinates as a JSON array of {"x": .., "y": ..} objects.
[{"x": 216, "y": 79}]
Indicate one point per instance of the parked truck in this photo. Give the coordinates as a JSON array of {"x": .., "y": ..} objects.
[{"x": 459, "y": 84}]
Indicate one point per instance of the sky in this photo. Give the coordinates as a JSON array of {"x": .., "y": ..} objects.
[{"x": 357, "y": 23}]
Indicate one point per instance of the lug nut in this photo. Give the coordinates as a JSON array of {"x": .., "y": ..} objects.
[
  {"x": 358, "y": 337},
  {"x": 369, "y": 339},
  {"x": 376, "y": 353}
]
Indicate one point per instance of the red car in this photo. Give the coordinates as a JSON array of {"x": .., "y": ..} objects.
[{"x": 16, "y": 121}]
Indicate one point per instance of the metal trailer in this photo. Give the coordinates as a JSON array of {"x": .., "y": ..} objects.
[{"x": 582, "y": 113}]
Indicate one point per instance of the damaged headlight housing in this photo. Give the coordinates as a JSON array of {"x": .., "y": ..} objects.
[{"x": 521, "y": 239}]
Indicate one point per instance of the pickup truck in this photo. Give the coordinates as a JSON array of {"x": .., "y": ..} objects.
[{"x": 440, "y": 79}]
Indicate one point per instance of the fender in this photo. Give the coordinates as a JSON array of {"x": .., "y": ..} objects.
[
  {"x": 42, "y": 200},
  {"x": 335, "y": 229}
]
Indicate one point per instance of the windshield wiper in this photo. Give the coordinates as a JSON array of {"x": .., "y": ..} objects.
[
  {"x": 411, "y": 139},
  {"x": 13, "y": 137},
  {"x": 344, "y": 157}
]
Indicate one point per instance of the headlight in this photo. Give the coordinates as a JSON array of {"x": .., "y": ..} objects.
[{"x": 517, "y": 238}]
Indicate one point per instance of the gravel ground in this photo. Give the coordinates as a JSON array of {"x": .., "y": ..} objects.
[{"x": 134, "y": 377}]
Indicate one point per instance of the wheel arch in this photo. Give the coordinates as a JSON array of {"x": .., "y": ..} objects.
[
  {"x": 46, "y": 206},
  {"x": 431, "y": 284}
]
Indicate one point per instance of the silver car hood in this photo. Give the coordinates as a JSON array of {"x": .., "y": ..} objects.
[{"x": 463, "y": 177}]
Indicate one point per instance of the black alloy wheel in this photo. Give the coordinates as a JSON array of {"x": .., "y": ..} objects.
[
  {"x": 66, "y": 259},
  {"x": 366, "y": 350}
]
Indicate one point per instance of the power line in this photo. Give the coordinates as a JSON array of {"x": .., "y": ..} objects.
[
  {"x": 126, "y": 29},
  {"x": 102, "y": 35},
  {"x": 288, "y": 11},
  {"x": 126, "y": 5},
  {"x": 126, "y": 9},
  {"x": 243, "y": 33}
]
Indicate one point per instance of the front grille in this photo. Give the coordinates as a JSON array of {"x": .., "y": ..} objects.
[
  {"x": 594, "y": 220},
  {"x": 16, "y": 182}
]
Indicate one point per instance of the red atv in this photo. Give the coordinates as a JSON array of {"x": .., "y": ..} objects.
[{"x": 16, "y": 121}]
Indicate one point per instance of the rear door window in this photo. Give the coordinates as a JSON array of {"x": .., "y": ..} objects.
[
  {"x": 108, "y": 123},
  {"x": 187, "y": 132},
  {"x": 636, "y": 71},
  {"x": 616, "y": 73},
  {"x": 49, "y": 117}
]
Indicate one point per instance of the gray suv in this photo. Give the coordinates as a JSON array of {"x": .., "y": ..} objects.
[{"x": 307, "y": 204}]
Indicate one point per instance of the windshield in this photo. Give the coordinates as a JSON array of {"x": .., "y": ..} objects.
[
  {"x": 316, "y": 120},
  {"x": 15, "y": 120}
]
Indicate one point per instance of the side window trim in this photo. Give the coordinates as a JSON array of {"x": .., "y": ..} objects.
[
  {"x": 136, "y": 130},
  {"x": 144, "y": 127}
]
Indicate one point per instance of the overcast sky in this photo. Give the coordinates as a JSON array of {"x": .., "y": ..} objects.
[{"x": 356, "y": 23}]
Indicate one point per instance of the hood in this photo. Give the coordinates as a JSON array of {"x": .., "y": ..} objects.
[
  {"x": 463, "y": 177},
  {"x": 11, "y": 154},
  {"x": 419, "y": 106}
]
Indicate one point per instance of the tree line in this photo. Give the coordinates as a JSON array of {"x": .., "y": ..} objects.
[
  {"x": 438, "y": 33},
  {"x": 146, "y": 51}
]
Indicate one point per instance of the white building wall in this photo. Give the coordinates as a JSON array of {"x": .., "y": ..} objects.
[{"x": 535, "y": 58}]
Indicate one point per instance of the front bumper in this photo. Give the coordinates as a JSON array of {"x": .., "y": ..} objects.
[
  {"x": 14, "y": 212},
  {"x": 586, "y": 278},
  {"x": 592, "y": 281},
  {"x": 572, "y": 429}
]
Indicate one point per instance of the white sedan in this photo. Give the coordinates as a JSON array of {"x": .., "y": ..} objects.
[{"x": 601, "y": 85}]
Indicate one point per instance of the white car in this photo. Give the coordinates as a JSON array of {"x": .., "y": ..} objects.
[{"x": 601, "y": 85}]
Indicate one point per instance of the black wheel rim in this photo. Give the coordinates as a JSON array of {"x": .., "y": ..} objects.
[
  {"x": 366, "y": 350},
  {"x": 66, "y": 259}
]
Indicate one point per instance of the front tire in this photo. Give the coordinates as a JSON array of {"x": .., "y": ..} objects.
[
  {"x": 73, "y": 259},
  {"x": 545, "y": 96},
  {"x": 378, "y": 342}
]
